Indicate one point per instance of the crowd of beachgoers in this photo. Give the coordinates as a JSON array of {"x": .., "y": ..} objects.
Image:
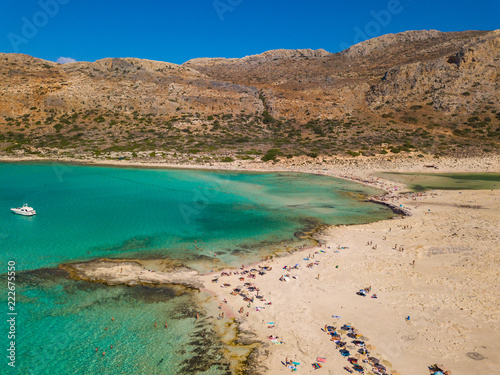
[
  {"x": 345, "y": 342},
  {"x": 383, "y": 278}
]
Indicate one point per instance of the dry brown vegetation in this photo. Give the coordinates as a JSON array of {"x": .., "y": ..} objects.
[{"x": 421, "y": 91}]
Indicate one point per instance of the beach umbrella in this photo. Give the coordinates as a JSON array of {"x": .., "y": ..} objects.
[{"x": 363, "y": 350}]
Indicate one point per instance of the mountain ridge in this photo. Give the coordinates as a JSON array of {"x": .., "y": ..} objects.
[{"x": 430, "y": 84}]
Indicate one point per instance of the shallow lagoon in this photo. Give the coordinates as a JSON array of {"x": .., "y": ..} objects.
[
  {"x": 184, "y": 215},
  {"x": 444, "y": 181}
]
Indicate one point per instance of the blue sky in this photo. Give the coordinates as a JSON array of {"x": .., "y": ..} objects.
[{"x": 178, "y": 30}]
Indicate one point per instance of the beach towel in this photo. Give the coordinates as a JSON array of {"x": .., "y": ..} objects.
[
  {"x": 320, "y": 359},
  {"x": 296, "y": 363},
  {"x": 336, "y": 316},
  {"x": 316, "y": 366}
]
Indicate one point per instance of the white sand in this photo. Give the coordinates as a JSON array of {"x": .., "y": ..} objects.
[{"x": 451, "y": 293}]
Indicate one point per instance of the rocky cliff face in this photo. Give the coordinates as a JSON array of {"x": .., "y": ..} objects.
[
  {"x": 460, "y": 82},
  {"x": 127, "y": 85},
  {"x": 447, "y": 83},
  {"x": 410, "y": 68}
]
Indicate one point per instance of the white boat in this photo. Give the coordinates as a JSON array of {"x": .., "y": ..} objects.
[{"x": 25, "y": 210}]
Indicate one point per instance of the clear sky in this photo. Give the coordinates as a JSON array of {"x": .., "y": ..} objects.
[{"x": 178, "y": 30}]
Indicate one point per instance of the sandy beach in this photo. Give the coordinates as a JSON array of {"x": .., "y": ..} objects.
[
  {"x": 443, "y": 278},
  {"x": 434, "y": 275}
]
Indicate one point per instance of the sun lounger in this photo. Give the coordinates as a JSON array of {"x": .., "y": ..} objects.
[{"x": 358, "y": 368}]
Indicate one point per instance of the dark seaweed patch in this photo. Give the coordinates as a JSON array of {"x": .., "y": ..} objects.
[
  {"x": 134, "y": 243},
  {"x": 152, "y": 294},
  {"x": 205, "y": 351}
]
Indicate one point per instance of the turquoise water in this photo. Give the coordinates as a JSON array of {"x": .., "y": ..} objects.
[
  {"x": 62, "y": 322},
  {"x": 88, "y": 212},
  {"x": 188, "y": 215}
]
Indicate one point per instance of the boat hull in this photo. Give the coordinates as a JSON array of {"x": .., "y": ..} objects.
[{"x": 23, "y": 213}]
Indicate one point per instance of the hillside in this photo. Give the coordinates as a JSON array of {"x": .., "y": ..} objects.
[{"x": 425, "y": 92}]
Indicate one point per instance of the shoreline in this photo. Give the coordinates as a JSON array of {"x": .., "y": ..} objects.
[
  {"x": 390, "y": 343},
  {"x": 434, "y": 334},
  {"x": 453, "y": 311},
  {"x": 354, "y": 168}
]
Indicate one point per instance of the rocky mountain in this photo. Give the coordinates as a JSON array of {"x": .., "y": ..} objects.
[{"x": 424, "y": 91}]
